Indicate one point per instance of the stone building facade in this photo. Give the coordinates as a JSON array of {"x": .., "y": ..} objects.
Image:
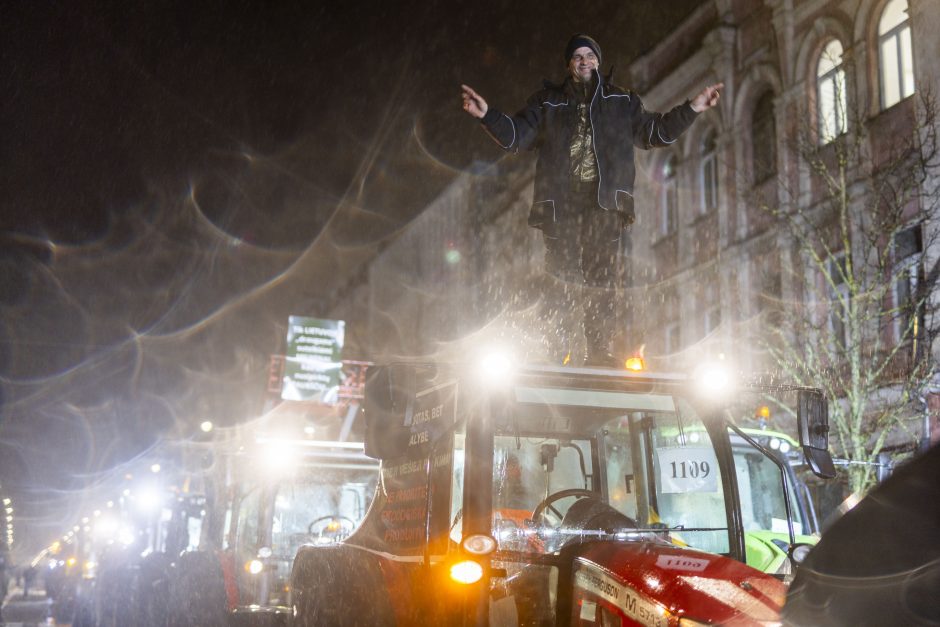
[
  {"x": 797, "y": 74},
  {"x": 709, "y": 247}
]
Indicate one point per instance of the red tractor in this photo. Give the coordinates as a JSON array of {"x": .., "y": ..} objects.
[{"x": 553, "y": 496}]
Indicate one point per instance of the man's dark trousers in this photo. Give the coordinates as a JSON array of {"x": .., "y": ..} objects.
[{"x": 584, "y": 262}]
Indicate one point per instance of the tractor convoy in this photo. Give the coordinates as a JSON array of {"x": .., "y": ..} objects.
[{"x": 500, "y": 495}]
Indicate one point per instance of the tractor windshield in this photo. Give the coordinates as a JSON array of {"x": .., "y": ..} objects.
[
  {"x": 587, "y": 463},
  {"x": 583, "y": 464}
]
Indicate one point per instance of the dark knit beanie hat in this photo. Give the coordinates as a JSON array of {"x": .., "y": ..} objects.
[{"x": 579, "y": 40}]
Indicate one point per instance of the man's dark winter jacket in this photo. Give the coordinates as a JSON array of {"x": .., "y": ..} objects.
[{"x": 618, "y": 121}]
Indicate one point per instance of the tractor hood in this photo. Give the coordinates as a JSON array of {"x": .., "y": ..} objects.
[{"x": 654, "y": 584}]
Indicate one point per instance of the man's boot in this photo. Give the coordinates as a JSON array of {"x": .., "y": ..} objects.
[
  {"x": 597, "y": 351},
  {"x": 601, "y": 358},
  {"x": 559, "y": 321},
  {"x": 598, "y": 323}
]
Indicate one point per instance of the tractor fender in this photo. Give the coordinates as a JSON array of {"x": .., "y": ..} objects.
[{"x": 341, "y": 586}]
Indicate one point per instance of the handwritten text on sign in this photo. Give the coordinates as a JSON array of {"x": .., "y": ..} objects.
[{"x": 687, "y": 469}]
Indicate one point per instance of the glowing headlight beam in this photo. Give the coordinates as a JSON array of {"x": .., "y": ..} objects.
[
  {"x": 713, "y": 380},
  {"x": 466, "y": 572},
  {"x": 278, "y": 456},
  {"x": 495, "y": 364}
]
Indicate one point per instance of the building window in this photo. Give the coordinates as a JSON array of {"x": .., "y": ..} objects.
[
  {"x": 768, "y": 286},
  {"x": 830, "y": 92},
  {"x": 895, "y": 57},
  {"x": 839, "y": 300},
  {"x": 711, "y": 308},
  {"x": 672, "y": 336},
  {"x": 669, "y": 197},
  {"x": 764, "y": 136},
  {"x": 709, "y": 174},
  {"x": 908, "y": 276}
]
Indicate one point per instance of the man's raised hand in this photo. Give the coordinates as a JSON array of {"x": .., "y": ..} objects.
[
  {"x": 707, "y": 98},
  {"x": 473, "y": 102}
]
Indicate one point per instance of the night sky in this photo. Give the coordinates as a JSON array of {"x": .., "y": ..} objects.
[{"x": 179, "y": 178}]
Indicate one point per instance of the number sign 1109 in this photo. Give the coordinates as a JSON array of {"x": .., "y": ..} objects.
[
  {"x": 687, "y": 469},
  {"x": 691, "y": 469}
]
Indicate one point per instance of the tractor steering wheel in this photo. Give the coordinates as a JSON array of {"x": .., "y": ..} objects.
[
  {"x": 342, "y": 520},
  {"x": 546, "y": 503}
]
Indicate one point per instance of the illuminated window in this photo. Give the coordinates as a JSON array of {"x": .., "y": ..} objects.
[
  {"x": 764, "y": 136},
  {"x": 709, "y": 175},
  {"x": 895, "y": 57},
  {"x": 830, "y": 91},
  {"x": 669, "y": 197}
]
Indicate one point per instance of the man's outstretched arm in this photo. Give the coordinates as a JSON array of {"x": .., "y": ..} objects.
[
  {"x": 511, "y": 133},
  {"x": 661, "y": 129}
]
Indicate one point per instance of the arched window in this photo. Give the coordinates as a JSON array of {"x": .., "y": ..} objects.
[
  {"x": 709, "y": 174},
  {"x": 764, "y": 136},
  {"x": 830, "y": 92},
  {"x": 895, "y": 58},
  {"x": 669, "y": 197}
]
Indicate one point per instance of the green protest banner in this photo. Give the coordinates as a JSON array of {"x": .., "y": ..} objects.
[{"x": 313, "y": 361}]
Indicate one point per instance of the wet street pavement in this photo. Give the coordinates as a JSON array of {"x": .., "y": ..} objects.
[{"x": 29, "y": 611}]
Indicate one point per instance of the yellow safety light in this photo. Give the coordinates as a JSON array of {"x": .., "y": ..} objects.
[
  {"x": 466, "y": 572},
  {"x": 254, "y": 566},
  {"x": 334, "y": 525},
  {"x": 634, "y": 363},
  {"x": 71, "y": 561},
  {"x": 763, "y": 411}
]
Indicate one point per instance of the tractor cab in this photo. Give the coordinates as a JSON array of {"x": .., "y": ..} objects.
[
  {"x": 285, "y": 493},
  {"x": 544, "y": 495}
]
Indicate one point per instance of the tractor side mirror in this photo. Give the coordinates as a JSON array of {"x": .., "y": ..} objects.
[
  {"x": 813, "y": 422},
  {"x": 387, "y": 398}
]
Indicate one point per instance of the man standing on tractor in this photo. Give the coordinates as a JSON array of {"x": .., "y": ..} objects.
[{"x": 584, "y": 130}]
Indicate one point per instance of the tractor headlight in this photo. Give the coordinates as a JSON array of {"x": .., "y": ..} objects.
[
  {"x": 799, "y": 552},
  {"x": 713, "y": 380},
  {"x": 495, "y": 365},
  {"x": 479, "y": 544}
]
